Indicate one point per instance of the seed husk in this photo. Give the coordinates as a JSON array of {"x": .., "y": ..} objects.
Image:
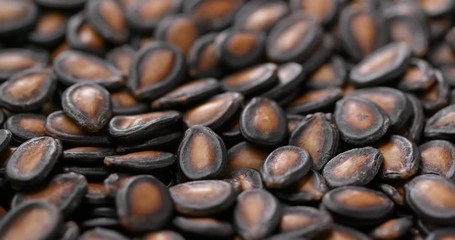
[
  {"x": 108, "y": 19},
  {"x": 122, "y": 58},
  {"x": 437, "y": 96},
  {"x": 252, "y": 80},
  {"x": 25, "y": 126},
  {"x": 82, "y": 36},
  {"x": 260, "y": 16},
  {"x": 50, "y": 29},
  {"x": 332, "y": 73},
  {"x": 202, "y": 154},
  {"x": 246, "y": 155},
  {"x": 15, "y": 60},
  {"x": 395, "y": 192},
  {"x": 171, "y": 28},
  {"x": 86, "y": 155},
  {"x": 18, "y": 17},
  {"x": 314, "y": 101},
  {"x": 392, "y": 229},
  {"x": 441, "y": 124},
  {"x": 323, "y": 11},
  {"x": 124, "y": 103},
  {"x": 413, "y": 32},
  {"x": 144, "y": 204},
  {"x": 438, "y": 157},
  {"x": 357, "y": 166},
  {"x": 204, "y": 227},
  {"x": 290, "y": 76},
  {"x": 5, "y": 138},
  {"x": 213, "y": 15},
  {"x": 416, "y": 123},
  {"x": 143, "y": 16},
  {"x": 308, "y": 189},
  {"x": 299, "y": 221},
  {"x": 343, "y": 232},
  {"x": 243, "y": 179},
  {"x": 418, "y": 77},
  {"x": 202, "y": 198},
  {"x": 102, "y": 233},
  {"x": 143, "y": 161},
  {"x": 202, "y": 59}
]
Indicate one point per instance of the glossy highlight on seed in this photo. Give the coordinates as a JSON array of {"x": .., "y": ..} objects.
[
  {"x": 438, "y": 157},
  {"x": 260, "y": 15},
  {"x": 15, "y": 60},
  {"x": 17, "y": 17}
]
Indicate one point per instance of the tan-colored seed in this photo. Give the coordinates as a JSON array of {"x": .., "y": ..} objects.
[
  {"x": 50, "y": 22},
  {"x": 206, "y": 112},
  {"x": 12, "y": 10},
  {"x": 359, "y": 199},
  {"x": 365, "y": 32},
  {"x": 182, "y": 27},
  {"x": 154, "y": 9},
  {"x": 282, "y": 162},
  {"x": 318, "y": 9},
  {"x": 265, "y": 119},
  {"x": 292, "y": 36},
  {"x": 64, "y": 124},
  {"x": 34, "y": 222},
  {"x": 313, "y": 96},
  {"x": 244, "y": 77},
  {"x": 264, "y": 17},
  {"x": 295, "y": 221},
  {"x": 438, "y": 157},
  {"x": 32, "y": 157},
  {"x": 241, "y": 43},
  {"x": 358, "y": 115},
  {"x": 138, "y": 120},
  {"x": 157, "y": 66},
  {"x": 379, "y": 63},
  {"x": 13, "y": 62},
  {"x": 34, "y": 125},
  {"x": 88, "y": 36},
  {"x": 111, "y": 12},
  {"x": 84, "y": 68},
  {"x": 427, "y": 190},
  {"x": 145, "y": 199},
  {"x": 214, "y": 10},
  {"x": 202, "y": 152},
  {"x": 26, "y": 87},
  {"x": 350, "y": 166}
]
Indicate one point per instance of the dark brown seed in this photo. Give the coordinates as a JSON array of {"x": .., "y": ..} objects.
[
  {"x": 354, "y": 167},
  {"x": 410, "y": 30},
  {"x": 301, "y": 221},
  {"x": 144, "y": 204},
  {"x": 333, "y": 73},
  {"x": 202, "y": 154},
  {"x": 284, "y": 166},
  {"x": 50, "y": 29},
  {"x": 65, "y": 191},
  {"x": 441, "y": 124},
  {"x": 213, "y": 14},
  {"x": 392, "y": 229},
  {"x": 27, "y": 90},
  {"x": 122, "y": 58},
  {"x": 418, "y": 77},
  {"x": 293, "y": 38},
  {"x": 290, "y": 76},
  {"x": 256, "y": 214},
  {"x": 124, "y": 103},
  {"x": 395, "y": 192},
  {"x": 442, "y": 234},
  {"x": 401, "y": 158},
  {"x": 86, "y": 155},
  {"x": 33, "y": 161},
  {"x": 204, "y": 227},
  {"x": 436, "y": 9},
  {"x": 360, "y": 121},
  {"x": 357, "y": 205},
  {"x": 106, "y": 212},
  {"x": 62, "y": 127},
  {"x": 202, "y": 59},
  {"x": 293, "y": 122},
  {"x": 318, "y": 135},
  {"x": 164, "y": 138},
  {"x": 260, "y": 15},
  {"x": 74, "y": 67},
  {"x": 413, "y": 129},
  {"x": 110, "y": 223},
  {"x": 230, "y": 130},
  {"x": 143, "y": 16},
  {"x": 309, "y": 189},
  {"x": 82, "y": 36},
  {"x": 238, "y": 49},
  {"x": 102, "y": 234},
  {"x": 244, "y": 179},
  {"x": 5, "y": 138},
  {"x": 323, "y": 11},
  {"x": 61, "y": 5},
  {"x": 136, "y": 127},
  {"x": 88, "y": 105},
  {"x": 15, "y": 60},
  {"x": 34, "y": 220},
  {"x": 381, "y": 66},
  {"x": 95, "y": 173},
  {"x": 391, "y": 101},
  {"x": 108, "y": 19},
  {"x": 252, "y": 80},
  {"x": 215, "y": 111},
  {"x": 97, "y": 194},
  {"x": 140, "y": 161},
  {"x": 340, "y": 232},
  {"x": 163, "y": 235},
  {"x": 437, "y": 96},
  {"x": 438, "y": 157},
  {"x": 17, "y": 17},
  {"x": 263, "y": 122},
  {"x": 202, "y": 198},
  {"x": 361, "y": 30},
  {"x": 188, "y": 94},
  {"x": 431, "y": 198},
  {"x": 156, "y": 70},
  {"x": 172, "y": 28},
  {"x": 314, "y": 100},
  {"x": 441, "y": 54},
  {"x": 115, "y": 181},
  {"x": 246, "y": 155}
]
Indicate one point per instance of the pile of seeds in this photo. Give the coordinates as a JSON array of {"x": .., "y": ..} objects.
[{"x": 227, "y": 119}]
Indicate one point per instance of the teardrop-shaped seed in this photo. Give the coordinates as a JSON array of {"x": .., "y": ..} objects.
[
  {"x": 303, "y": 221},
  {"x": 343, "y": 232},
  {"x": 202, "y": 198},
  {"x": 136, "y": 127},
  {"x": 246, "y": 155},
  {"x": 318, "y": 135},
  {"x": 65, "y": 191},
  {"x": 215, "y": 111},
  {"x": 256, "y": 214},
  {"x": 205, "y": 227},
  {"x": 213, "y": 15},
  {"x": 360, "y": 121},
  {"x": 16, "y": 60},
  {"x": 441, "y": 124},
  {"x": 438, "y": 157},
  {"x": 108, "y": 19},
  {"x": 34, "y": 220},
  {"x": 332, "y": 73},
  {"x": 431, "y": 198},
  {"x": 89, "y": 105},
  {"x": 285, "y": 165},
  {"x": 260, "y": 15},
  {"x": 290, "y": 76},
  {"x": 143, "y": 16},
  {"x": 383, "y": 65},
  {"x": 188, "y": 94},
  {"x": 202, "y": 154},
  {"x": 156, "y": 70},
  {"x": 171, "y": 29},
  {"x": 33, "y": 161},
  {"x": 62, "y": 127},
  {"x": 102, "y": 233},
  {"x": 49, "y": 29},
  {"x": 74, "y": 67},
  {"x": 401, "y": 158},
  {"x": 27, "y": 90},
  {"x": 244, "y": 179},
  {"x": 314, "y": 100},
  {"x": 163, "y": 235},
  {"x": 357, "y": 166},
  {"x": 263, "y": 122},
  {"x": 25, "y": 126},
  {"x": 82, "y": 36},
  {"x": 252, "y": 80},
  {"x": 144, "y": 204},
  {"x": 5, "y": 138},
  {"x": 293, "y": 38},
  {"x": 124, "y": 103},
  {"x": 122, "y": 58},
  {"x": 17, "y": 17},
  {"x": 392, "y": 229},
  {"x": 141, "y": 161},
  {"x": 357, "y": 205},
  {"x": 418, "y": 77},
  {"x": 361, "y": 30},
  {"x": 394, "y": 191},
  {"x": 323, "y": 11},
  {"x": 308, "y": 189},
  {"x": 391, "y": 101},
  {"x": 406, "y": 29}
]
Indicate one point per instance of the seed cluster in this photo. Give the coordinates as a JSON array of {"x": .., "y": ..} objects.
[{"x": 227, "y": 119}]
